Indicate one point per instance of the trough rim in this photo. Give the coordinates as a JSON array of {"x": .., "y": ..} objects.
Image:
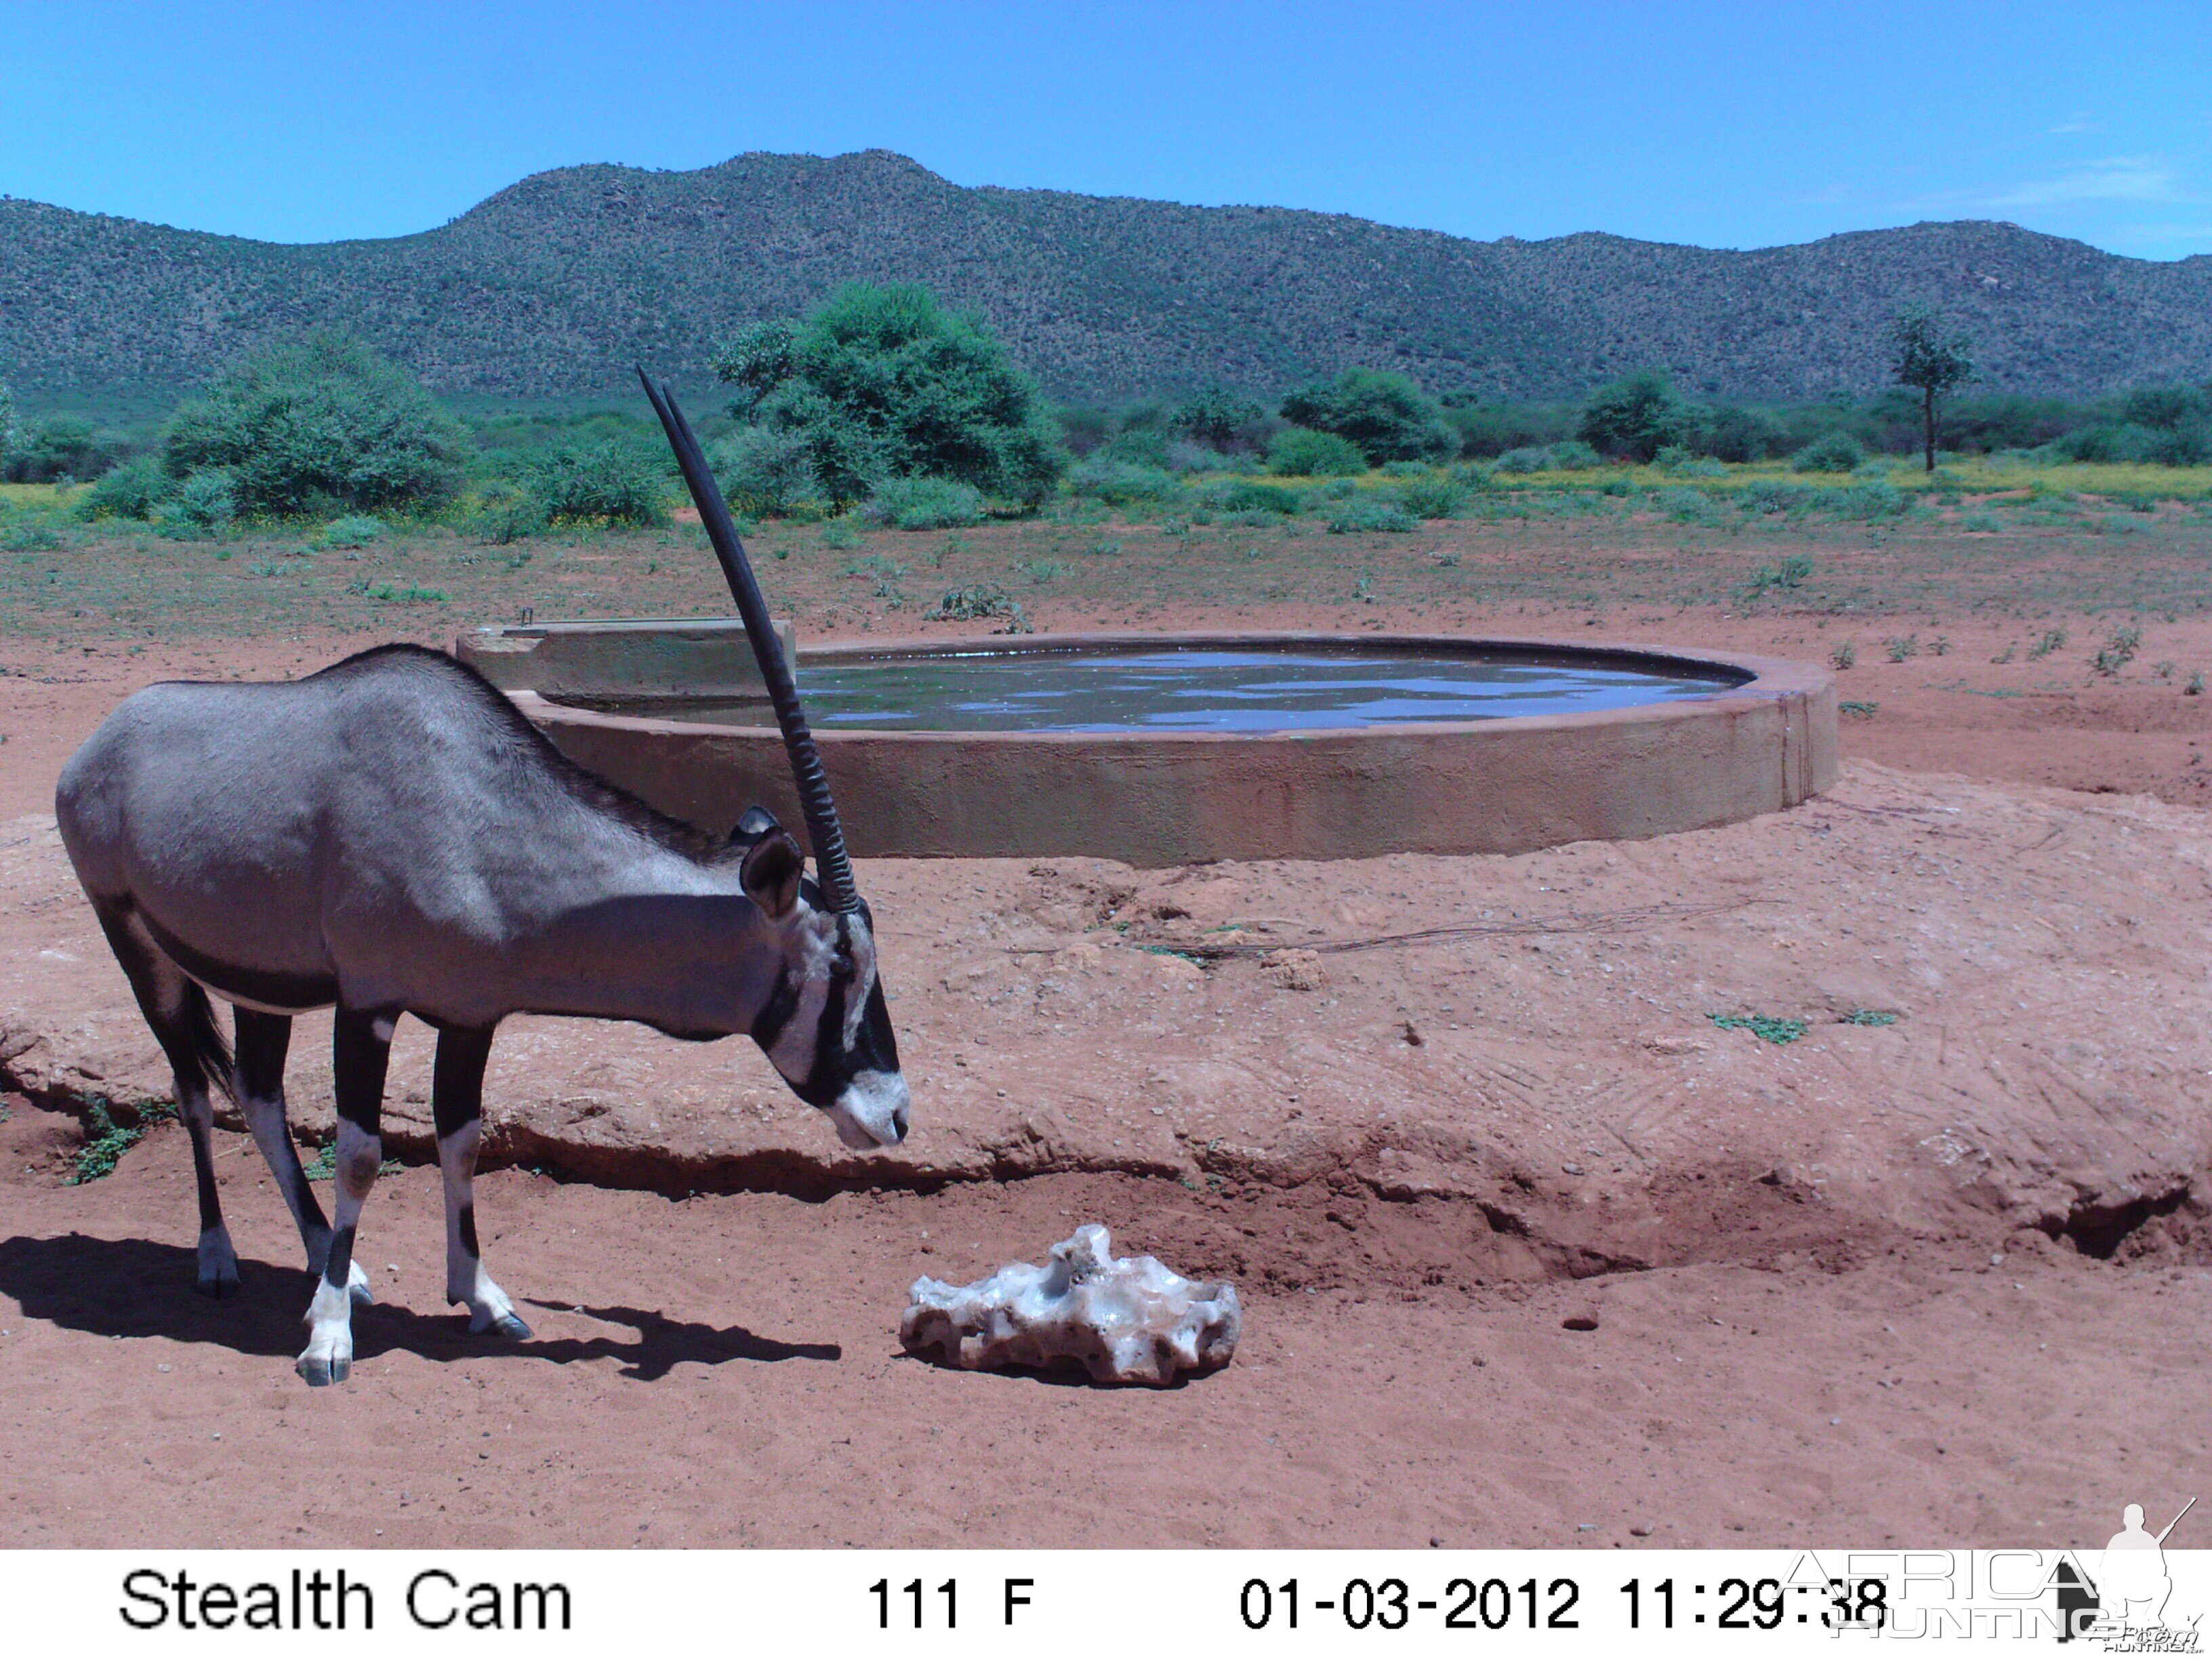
[{"x": 1772, "y": 679}]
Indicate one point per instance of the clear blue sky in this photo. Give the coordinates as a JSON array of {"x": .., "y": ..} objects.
[{"x": 1736, "y": 125}]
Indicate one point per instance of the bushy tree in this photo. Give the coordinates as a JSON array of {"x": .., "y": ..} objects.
[
  {"x": 61, "y": 446},
  {"x": 317, "y": 424},
  {"x": 1930, "y": 362},
  {"x": 1385, "y": 414},
  {"x": 7, "y": 418},
  {"x": 884, "y": 383},
  {"x": 755, "y": 363},
  {"x": 1637, "y": 416},
  {"x": 1216, "y": 416}
]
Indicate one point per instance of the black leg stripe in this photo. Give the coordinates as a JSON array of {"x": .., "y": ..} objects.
[
  {"x": 340, "y": 1266},
  {"x": 469, "y": 1231},
  {"x": 204, "y": 1168}
]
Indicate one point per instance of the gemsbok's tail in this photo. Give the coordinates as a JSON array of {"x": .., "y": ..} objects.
[{"x": 210, "y": 1053}]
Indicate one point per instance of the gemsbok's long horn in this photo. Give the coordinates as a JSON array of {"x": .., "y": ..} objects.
[{"x": 831, "y": 862}]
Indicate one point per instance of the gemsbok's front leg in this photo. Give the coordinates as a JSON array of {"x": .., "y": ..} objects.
[
  {"x": 457, "y": 1104},
  {"x": 362, "y": 1049}
]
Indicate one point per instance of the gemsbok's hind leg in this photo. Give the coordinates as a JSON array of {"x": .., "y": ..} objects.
[
  {"x": 183, "y": 1024},
  {"x": 362, "y": 1048},
  {"x": 457, "y": 1104},
  {"x": 263, "y": 1043}
]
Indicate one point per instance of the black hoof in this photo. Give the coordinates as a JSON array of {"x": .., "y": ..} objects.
[
  {"x": 321, "y": 1373},
  {"x": 216, "y": 1289},
  {"x": 510, "y": 1327}
]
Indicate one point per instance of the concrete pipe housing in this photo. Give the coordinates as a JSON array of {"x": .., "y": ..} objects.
[{"x": 1650, "y": 743}]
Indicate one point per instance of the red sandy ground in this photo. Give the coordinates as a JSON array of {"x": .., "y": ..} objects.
[{"x": 1827, "y": 1306}]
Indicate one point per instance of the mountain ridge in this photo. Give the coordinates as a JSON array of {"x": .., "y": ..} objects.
[{"x": 556, "y": 284}]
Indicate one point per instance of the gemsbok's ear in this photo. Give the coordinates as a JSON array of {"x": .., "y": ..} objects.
[
  {"x": 771, "y": 873},
  {"x": 757, "y": 822}
]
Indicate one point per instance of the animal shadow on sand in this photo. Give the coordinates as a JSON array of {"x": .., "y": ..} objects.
[{"x": 133, "y": 1287}]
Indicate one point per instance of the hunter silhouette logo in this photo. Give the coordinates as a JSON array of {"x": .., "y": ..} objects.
[{"x": 2123, "y": 1606}]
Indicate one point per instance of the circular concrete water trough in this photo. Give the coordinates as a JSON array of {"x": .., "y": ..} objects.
[{"x": 1718, "y": 739}]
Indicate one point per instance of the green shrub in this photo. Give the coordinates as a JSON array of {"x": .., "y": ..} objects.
[
  {"x": 356, "y": 530},
  {"x": 37, "y": 536},
  {"x": 59, "y": 448},
  {"x": 980, "y": 603},
  {"x": 763, "y": 472},
  {"x": 1732, "y": 434},
  {"x": 1774, "y": 495},
  {"x": 2162, "y": 408},
  {"x": 131, "y": 490},
  {"x": 1525, "y": 460},
  {"x": 1298, "y": 452},
  {"x": 925, "y": 504},
  {"x": 1387, "y": 416},
  {"x": 1431, "y": 498},
  {"x": 1144, "y": 445},
  {"x": 1573, "y": 455},
  {"x": 1375, "y": 511},
  {"x": 620, "y": 482},
  {"x": 506, "y": 511},
  {"x": 1478, "y": 477},
  {"x": 1878, "y": 499},
  {"x": 883, "y": 383},
  {"x": 1679, "y": 463},
  {"x": 1682, "y": 504},
  {"x": 1637, "y": 416},
  {"x": 1187, "y": 455},
  {"x": 1119, "y": 482},
  {"x": 2189, "y": 443},
  {"x": 206, "y": 500},
  {"x": 1246, "y": 497},
  {"x": 1839, "y": 452},
  {"x": 317, "y": 424}
]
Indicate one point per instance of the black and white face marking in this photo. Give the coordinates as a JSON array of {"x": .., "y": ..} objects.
[{"x": 827, "y": 1028}]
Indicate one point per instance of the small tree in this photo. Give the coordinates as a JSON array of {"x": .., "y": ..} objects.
[
  {"x": 882, "y": 382},
  {"x": 756, "y": 361},
  {"x": 7, "y": 418},
  {"x": 1386, "y": 415},
  {"x": 1637, "y": 416},
  {"x": 1930, "y": 363},
  {"x": 1216, "y": 416}
]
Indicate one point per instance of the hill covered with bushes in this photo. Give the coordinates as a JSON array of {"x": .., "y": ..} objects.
[{"x": 555, "y": 287}]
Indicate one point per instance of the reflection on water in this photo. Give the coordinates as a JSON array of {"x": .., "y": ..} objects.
[{"x": 1194, "y": 691}]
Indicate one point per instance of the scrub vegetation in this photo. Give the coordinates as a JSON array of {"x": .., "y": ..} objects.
[{"x": 314, "y": 478}]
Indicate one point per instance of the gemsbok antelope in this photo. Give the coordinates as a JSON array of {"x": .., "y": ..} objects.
[{"x": 391, "y": 837}]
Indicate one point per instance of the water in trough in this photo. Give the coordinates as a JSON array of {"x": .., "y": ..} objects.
[{"x": 1199, "y": 690}]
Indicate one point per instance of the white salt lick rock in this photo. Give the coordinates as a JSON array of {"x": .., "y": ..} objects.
[{"x": 1124, "y": 1320}]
